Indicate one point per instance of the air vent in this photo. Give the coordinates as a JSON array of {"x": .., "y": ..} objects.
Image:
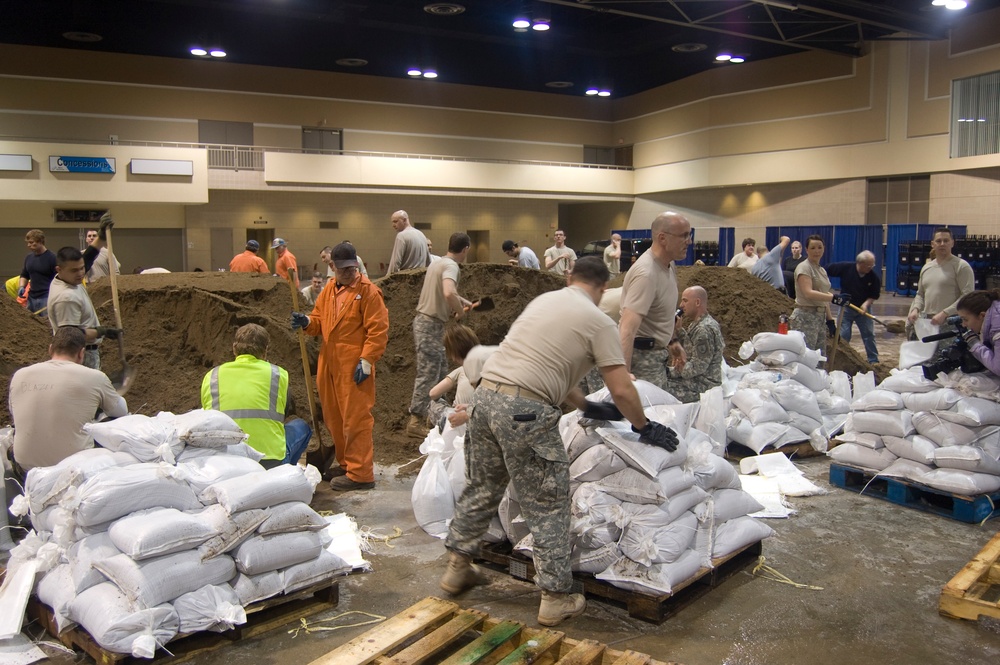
[
  {"x": 85, "y": 37},
  {"x": 352, "y": 62},
  {"x": 444, "y": 9},
  {"x": 423, "y": 226},
  {"x": 329, "y": 225},
  {"x": 559, "y": 84},
  {"x": 690, "y": 47}
]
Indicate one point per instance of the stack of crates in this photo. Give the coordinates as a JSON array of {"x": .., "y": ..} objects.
[
  {"x": 982, "y": 254},
  {"x": 707, "y": 253},
  {"x": 912, "y": 257}
]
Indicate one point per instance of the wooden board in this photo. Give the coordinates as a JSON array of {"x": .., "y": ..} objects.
[
  {"x": 262, "y": 617},
  {"x": 649, "y": 606},
  {"x": 975, "y": 591},
  {"x": 430, "y": 632},
  {"x": 736, "y": 451}
]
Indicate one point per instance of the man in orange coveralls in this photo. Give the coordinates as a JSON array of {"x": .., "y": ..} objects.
[
  {"x": 352, "y": 317},
  {"x": 248, "y": 261}
]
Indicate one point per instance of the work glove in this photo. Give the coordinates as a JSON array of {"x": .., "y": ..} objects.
[
  {"x": 601, "y": 411},
  {"x": 841, "y": 299},
  {"x": 299, "y": 320},
  {"x": 107, "y": 222},
  {"x": 655, "y": 434},
  {"x": 362, "y": 371},
  {"x": 20, "y": 292},
  {"x": 831, "y": 327},
  {"x": 109, "y": 332}
]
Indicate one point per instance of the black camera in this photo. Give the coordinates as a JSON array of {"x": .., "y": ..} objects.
[{"x": 954, "y": 356}]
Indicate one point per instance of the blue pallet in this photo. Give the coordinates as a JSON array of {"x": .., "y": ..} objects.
[{"x": 971, "y": 509}]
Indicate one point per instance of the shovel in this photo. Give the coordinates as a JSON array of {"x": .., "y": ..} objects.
[
  {"x": 325, "y": 455},
  {"x": 122, "y": 379},
  {"x": 893, "y": 326},
  {"x": 483, "y": 305}
]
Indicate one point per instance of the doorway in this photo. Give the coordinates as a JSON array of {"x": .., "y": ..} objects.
[
  {"x": 479, "y": 252},
  {"x": 264, "y": 237}
]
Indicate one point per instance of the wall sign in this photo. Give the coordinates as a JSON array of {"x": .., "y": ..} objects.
[{"x": 62, "y": 164}]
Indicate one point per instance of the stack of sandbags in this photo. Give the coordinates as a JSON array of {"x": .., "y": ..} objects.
[
  {"x": 139, "y": 551},
  {"x": 782, "y": 397},
  {"x": 943, "y": 433}
]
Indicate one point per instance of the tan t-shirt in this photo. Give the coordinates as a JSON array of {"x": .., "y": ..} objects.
[
  {"x": 409, "y": 251},
  {"x": 463, "y": 389},
  {"x": 611, "y": 303},
  {"x": 563, "y": 256},
  {"x": 650, "y": 290},
  {"x": 70, "y": 306},
  {"x": 555, "y": 341},
  {"x": 474, "y": 361},
  {"x": 432, "y": 301},
  {"x": 820, "y": 282},
  {"x": 50, "y": 402}
]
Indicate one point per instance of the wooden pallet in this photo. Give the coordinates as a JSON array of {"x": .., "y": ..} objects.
[
  {"x": 736, "y": 451},
  {"x": 971, "y": 509},
  {"x": 975, "y": 591},
  {"x": 649, "y": 606},
  {"x": 439, "y": 631},
  {"x": 262, "y": 617}
]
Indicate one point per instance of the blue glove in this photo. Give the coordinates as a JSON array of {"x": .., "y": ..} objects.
[
  {"x": 20, "y": 292},
  {"x": 362, "y": 371},
  {"x": 299, "y": 320},
  {"x": 841, "y": 300}
]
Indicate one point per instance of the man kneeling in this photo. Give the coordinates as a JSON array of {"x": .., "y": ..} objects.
[{"x": 697, "y": 353}]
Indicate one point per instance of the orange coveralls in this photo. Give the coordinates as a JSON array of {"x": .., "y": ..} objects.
[
  {"x": 354, "y": 323},
  {"x": 249, "y": 262},
  {"x": 282, "y": 265}
]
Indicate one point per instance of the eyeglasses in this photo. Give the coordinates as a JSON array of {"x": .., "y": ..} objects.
[{"x": 681, "y": 235}]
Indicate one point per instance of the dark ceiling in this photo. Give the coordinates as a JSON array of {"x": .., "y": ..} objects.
[{"x": 620, "y": 45}]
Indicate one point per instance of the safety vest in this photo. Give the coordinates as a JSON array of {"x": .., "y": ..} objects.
[{"x": 252, "y": 392}]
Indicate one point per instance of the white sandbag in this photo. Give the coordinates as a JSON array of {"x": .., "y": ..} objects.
[
  {"x": 973, "y": 412},
  {"x": 44, "y": 485},
  {"x": 213, "y": 607},
  {"x": 203, "y": 428},
  {"x": 632, "y": 486},
  {"x": 862, "y": 383},
  {"x": 756, "y": 438},
  {"x": 804, "y": 424},
  {"x": 578, "y": 438},
  {"x": 155, "y": 581},
  {"x": 238, "y": 450},
  {"x": 813, "y": 379},
  {"x": 589, "y": 535},
  {"x": 907, "y": 469},
  {"x": 83, "y": 554},
  {"x": 289, "y": 517},
  {"x": 980, "y": 384},
  {"x": 794, "y": 341},
  {"x": 711, "y": 418},
  {"x": 760, "y": 377},
  {"x": 859, "y": 456},
  {"x": 56, "y": 590},
  {"x": 646, "y": 516},
  {"x": 260, "y": 554},
  {"x": 759, "y": 407},
  {"x": 726, "y": 504},
  {"x": 591, "y": 502},
  {"x": 917, "y": 448},
  {"x": 251, "y": 589},
  {"x": 908, "y": 381},
  {"x": 830, "y": 403},
  {"x": 314, "y": 571},
  {"x": 942, "y": 432},
  {"x": 495, "y": 533},
  {"x": 939, "y": 399},
  {"x": 676, "y": 479},
  {"x": 681, "y": 503},
  {"x": 432, "y": 498},
  {"x": 735, "y": 534},
  {"x": 840, "y": 384},
  {"x": 917, "y": 352},
  {"x": 594, "y": 561},
  {"x": 659, "y": 578},
  {"x": 778, "y": 358},
  {"x": 649, "y": 394},
  {"x": 642, "y": 457},
  {"x": 118, "y": 491},
  {"x": 958, "y": 481},
  {"x": 665, "y": 544},
  {"x": 891, "y": 423},
  {"x": 513, "y": 522},
  {"x": 108, "y": 616},
  {"x": 232, "y": 529},
  {"x": 280, "y": 484},
  {"x": 866, "y": 439},
  {"x": 796, "y": 398},
  {"x": 147, "y": 439},
  {"x": 158, "y": 531},
  {"x": 969, "y": 458},
  {"x": 792, "y": 435},
  {"x": 878, "y": 400},
  {"x": 595, "y": 463},
  {"x": 210, "y": 469},
  {"x": 677, "y": 417}
]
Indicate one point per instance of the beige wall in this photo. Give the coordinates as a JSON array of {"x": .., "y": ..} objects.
[{"x": 584, "y": 222}]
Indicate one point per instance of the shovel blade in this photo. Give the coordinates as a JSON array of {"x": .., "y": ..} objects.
[
  {"x": 485, "y": 304},
  {"x": 123, "y": 379}
]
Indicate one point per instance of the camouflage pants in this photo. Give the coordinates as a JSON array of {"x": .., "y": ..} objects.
[
  {"x": 92, "y": 358},
  {"x": 428, "y": 342},
  {"x": 529, "y": 453},
  {"x": 812, "y": 324},
  {"x": 592, "y": 382},
  {"x": 438, "y": 409},
  {"x": 650, "y": 366}
]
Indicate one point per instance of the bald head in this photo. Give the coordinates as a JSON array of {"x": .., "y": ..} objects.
[
  {"x": 400, "y": 220},
  {"x": 694, "y": 302},
  {"x": 671, "y": 233},
  {"x": 669, "y": 222}
]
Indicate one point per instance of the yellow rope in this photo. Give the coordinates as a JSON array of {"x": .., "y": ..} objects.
[
  {"x": 368, "y": 536},
  {"x": 769, "y": 573},
  {"x": 993, "y": 509},
  {"x": 315, "y": 627}
]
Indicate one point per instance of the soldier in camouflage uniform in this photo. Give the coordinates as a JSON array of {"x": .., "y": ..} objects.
[
  {"x": 697, "y": 353},
  {"x": 649, "y": 299},
  {"x": 514, "y": 432},
  {"x": 813, "y": 297},
  {"x": 439, "y": 302}
]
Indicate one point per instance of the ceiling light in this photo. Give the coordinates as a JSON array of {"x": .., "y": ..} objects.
[
  {"x": 690, "y": 47},
  {"x": 604, "y": 93},
  {"x": 430, "y": 74},
  {"x": 540, "y": 24},
  {"x": 521, "y": 24},
  {"x": 737, "y": 59},
  {"x": 956, "y": 4},
  {"x": 198, "y": 51},
  {"x": 592, "y": 91},
  {"x": 559, "y": 84},
  {"x": 86, "y": 37},
  {"x": 723, "y": 57},
  {"x": 413, "y": 71},
  {"x": 351, "y": 62},
  {"x": 444, "y": 9},
  {"x": 217, "y": 53},
  {"x": 939, "y": 3}
]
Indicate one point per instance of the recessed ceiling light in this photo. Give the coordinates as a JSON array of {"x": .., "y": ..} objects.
[
  {"x": 430, "y": 74},
  {"x": 690, "y": 47},
  {"x": 591, "y": 91},
  {"x": 559, "y": 84},
  {"x": 939, "y": 3},
  {"x": 217, "y": 53},
  {"x": 723, "y": 57},
  {"x": 413, "y": 71},
  {"x": 540, "y": 24},
  {"x": 197, "y": 50},
  {"x": 604, "y": 93},
  {"x": 956, "y": 4},
  {"x": 521, "y": 24},
  {"x": 444, "y": 9},
  {"x": 85, "y": 37},
  {"x": 351, "y": 62},
  {"x": 737, "y": 59}
]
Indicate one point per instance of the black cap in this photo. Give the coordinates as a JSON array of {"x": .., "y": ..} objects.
[
  {"x": 508, "y": 245},
  {"x": 344, "y": 256}
]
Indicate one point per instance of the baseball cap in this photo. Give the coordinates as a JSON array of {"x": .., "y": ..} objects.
[
  {"x": 278, "y": 242},
  {"x": 253, "y": 245},
  {"x": 508, "y": 245},
  {"x": 344, "y": 256}
]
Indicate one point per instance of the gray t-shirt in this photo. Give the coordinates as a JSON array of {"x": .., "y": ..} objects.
[
  {"x": 432, "y": 301},
  {"x": 820, "y": 282},
  {"x": 409, "y": 251},
  {"x": 70, "y": 306},
  {"x": 612, "y": 262},
  {"x": 527, "y": 259},
  {"x": 769, "y": 268}
]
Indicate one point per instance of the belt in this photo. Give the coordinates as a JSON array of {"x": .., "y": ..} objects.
[
  {"x": 811, "y": 308},
  {"x": 513, "y": 391},
  {"x": 92, "y": 347},
  {"x": 644, "y": 343}
]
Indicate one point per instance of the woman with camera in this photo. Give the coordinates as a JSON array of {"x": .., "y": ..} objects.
[{"x": 980, "y": 312}]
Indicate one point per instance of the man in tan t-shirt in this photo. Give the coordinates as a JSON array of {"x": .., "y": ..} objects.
[
  {"x": 513, "y": 432},
  {"x": 649, "y": 300},
  {"x": 439, "y": 303},
  {"x": 51, "y": 401},
  {"x": 409, "y": 250}
]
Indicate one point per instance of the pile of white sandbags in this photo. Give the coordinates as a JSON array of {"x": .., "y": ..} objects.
[
  {"x": 943, "y": 433},
  {"x": 782, "y": 397},
  {"x": 172, "y": 527}
]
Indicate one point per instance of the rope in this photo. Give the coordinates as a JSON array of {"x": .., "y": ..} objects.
[
  {"x": 769, "y": 573},
  {"x": 993, "y": 509},
  {"x": 417, "y": 459},
  {"x": 368, "y": 536},
  {"x": 315, "y": 627}
]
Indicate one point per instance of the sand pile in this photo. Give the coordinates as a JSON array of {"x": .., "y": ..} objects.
[{"x": 180, "y": 325}]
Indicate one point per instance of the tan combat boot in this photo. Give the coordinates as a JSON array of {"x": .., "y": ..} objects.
[
  {"x": 461, "y": 574},
  {"x": 556, "y": 607},
  {"x": 416, "y": 428}
]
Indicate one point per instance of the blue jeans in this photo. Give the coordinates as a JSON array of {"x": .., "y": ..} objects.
[
  {"x": 34, "y": 304},
  {"x": 866, "y": 327},
  {"x": 297, "y": 435}
]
